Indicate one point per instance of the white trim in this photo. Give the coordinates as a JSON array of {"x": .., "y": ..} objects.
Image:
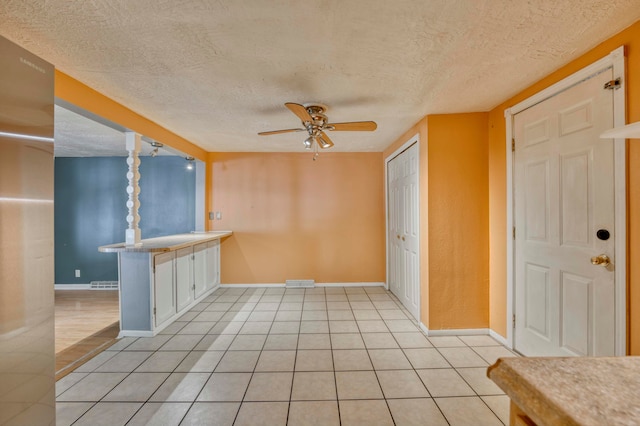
[
  {"x": 367, "y": 284},
  {"x": 415, "y": 139},
  {"x": 136, "y": 333},
  {"x": 424, "y": 328},
  {"x": 76, "y": 287},
  {"x": 252, "y": 285},
  {"x": 616, "y": 61},
  {"x": 459, "y": 332},
  {"x": 497, "y": 337}
]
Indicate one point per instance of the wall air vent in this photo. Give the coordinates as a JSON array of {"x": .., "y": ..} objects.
[
  {"x": 300, "y": 283},
  {"x": 103, "y": 285}
]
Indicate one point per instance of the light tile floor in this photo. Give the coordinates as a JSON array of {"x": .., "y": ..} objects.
[{"x": 275, "y": 356}]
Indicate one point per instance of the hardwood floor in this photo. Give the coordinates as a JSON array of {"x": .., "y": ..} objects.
[{"x": 86, "y": 323}]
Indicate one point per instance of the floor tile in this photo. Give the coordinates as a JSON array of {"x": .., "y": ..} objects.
[
  {"x": 479, "y": 341},
  {"x": 412, "y": 340},
  {"x": 313, "y": 413},
  {"x": 364, "y": 413},
  {"x": 238, "y": 361},
  {"x": 262, "y": 316},
  {"x": 444, "y": 382},
  {"x": 401, "y": 384},
  {"x": 478, "y": 380},
  {"x": 317, "y": 315},
  {"x": 211, "y": 414},
  {"x": 281, "y": 342},
  {"x": 491, "y": 353},
  {"x": 500, "y": 405},
  {"x": 124, "y": 342},
  {"x": 69, "y": 412},
  {"x": 337, "y": 297},
  {"x": 426, "y": 358},
  {"x": 269, "y": 387},
  {"x": 358, "y": 297},
  {"x": 136, "y": 387},
  {"x": 288, "y": 315},
  {"x": 463, "y": 357},
  {"x": 219, "y": 306},
  {"x": 285, "y": 327},
  {"x": 232, "y": 327},
  {"x": 343, "y": 327},
  {"x": 200, "y": 362},
  {"x": 262, "y": 414},
  {"x": 69, "y": 380},
  {"x": 235, "y": 316},
  {"x": 248, "y": 342},
  {"x": 416, "y": 412},
  {"x": 389, "y": 359},
  {"x": 257, "y": 327},
  {"x": 189, "y": 316},
  {"x": 465, "y": 411},
  {"x": 372, "y": 326},
  {"x": 348, "y": 341},
  {"x": 109, "y": 414},
  {"x": 314, "y": 360},
  {"x": 358, "y": 385},
  {"x": 361, "y": 305},
  {"x": 314, "y": 327},
  {"x": 207, "y": 316},
  {"x": 379, "y": 341},
  {"x": 385, "y": 304},
  {"x": 181, "y": 342},
  {"x": 351, "y": 360},
  {"x": 313, "y": 386},
  {"x": 292, "y": 299},
  {"x": 123, "y": 362},
  {"x": 214, "y": 342},
  {"x": 392, "y": 314},
  {"x": 337, "y": 315},
  {"x": 291, "y": 306},
  {"x": 225, "y": 387},
  {"x": 180, "y": 387},
  {"x": 339, "y": 305},
  {"x": 173, "y": 328},
  {"x": 446, "y": 341},
  {"x": 148, "y": 343},
  {"x": 401, "y": 325},
  {"x": 276, "y": 361},
  {"x": 92, "y": 387},
  {"x": 314, "y": 306},
  {"x": 243, "y": 306},
  {"x": 271, "y": 298},
  {"x": 314, "y": 341},
  {"x": 95, "y": 362},
  {"x": 162, "y": 362},
  {"x": 158, "y": 413},
  {"x": 366, "y": 314}
]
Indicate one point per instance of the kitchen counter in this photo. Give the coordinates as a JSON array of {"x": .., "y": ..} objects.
[
  {"x": 167, "y": 243},
  {"x": 571, "y": 391}
]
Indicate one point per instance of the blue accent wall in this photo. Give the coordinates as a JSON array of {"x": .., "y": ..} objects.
[{"x": 90, "y": 210}]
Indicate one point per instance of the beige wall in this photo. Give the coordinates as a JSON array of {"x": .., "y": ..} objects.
[
  {"x": 294, "y": 218},
  {"x": 630, "y": 38}
]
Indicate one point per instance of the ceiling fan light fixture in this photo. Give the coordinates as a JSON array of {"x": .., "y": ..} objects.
[
  {"x": 323, "y": 143},
  {"x": 308, "y": 143}
]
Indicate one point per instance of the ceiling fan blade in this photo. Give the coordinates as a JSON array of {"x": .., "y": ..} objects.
[
  {"x": 357, "y": 126},
  {"x": 300, "y": 111},
  {"x": 275, "y": 132},
  {"x": 324, "y": 141}
]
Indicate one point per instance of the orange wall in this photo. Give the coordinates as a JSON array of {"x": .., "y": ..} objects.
[
  {"x": 497, "y": 181},
  {"x": 458, "y": 221},
  {"x": 294, "y": 218}
]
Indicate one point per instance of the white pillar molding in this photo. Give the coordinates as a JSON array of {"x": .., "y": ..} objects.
[{"x": 132, "y": 234}]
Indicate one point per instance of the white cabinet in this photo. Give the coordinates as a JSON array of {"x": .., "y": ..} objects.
[
  {"x": 213, "y": 264},
  {"x": 164, "y": 299},
  {"x": 200, "y": 268},
  {"x": 184, "y": 278}
]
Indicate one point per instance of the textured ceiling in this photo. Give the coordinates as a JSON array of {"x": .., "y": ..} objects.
[{"x": 218, "y": 72}]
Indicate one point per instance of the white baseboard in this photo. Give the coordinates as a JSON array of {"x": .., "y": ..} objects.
[
  {"x": 72, "y": 286},
  {"x": 499, "y": 338},
  {"x": 424, "y": 328},
  {"x": 459, "y": 332},
  {"x": 135, "y": 333},
  {"x": 368, "y": 284}
]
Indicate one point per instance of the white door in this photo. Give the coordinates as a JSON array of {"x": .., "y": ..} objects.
[
  {"x": 564, "y": 209},
  {"x": 403, "y": 238}
]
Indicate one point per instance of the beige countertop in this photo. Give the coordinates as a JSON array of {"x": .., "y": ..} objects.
[
  {"x": 572, "y": 391},
  {"x": 168, "y": 243}
]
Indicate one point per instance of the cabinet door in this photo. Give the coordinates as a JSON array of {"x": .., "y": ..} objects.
[
  {"x": 200, "y": 269},
  {"x": 163, "y": 287},
  {"x": 213, "y": 264},
  {"x": 184, "y": 278}
]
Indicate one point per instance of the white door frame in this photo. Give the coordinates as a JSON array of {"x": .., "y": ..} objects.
[
  {"x": 616, "y": 61},
  {"x": 415, "y": 139}
]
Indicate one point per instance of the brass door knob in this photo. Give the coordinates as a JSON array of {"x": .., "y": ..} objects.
[
  {"x": 603, "y": 260},
  {"x": 403, "y": 238},
  {"x": 398, "y": 236}
]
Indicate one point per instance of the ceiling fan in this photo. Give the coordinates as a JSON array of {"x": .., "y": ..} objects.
[{"x": 315, "y": 123}]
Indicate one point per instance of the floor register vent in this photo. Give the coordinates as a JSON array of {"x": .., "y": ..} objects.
[
  {"x": 300, "y": 283},
  {"x": 103, "y": 285}
]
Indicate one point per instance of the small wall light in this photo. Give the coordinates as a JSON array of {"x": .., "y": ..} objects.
[{"x": 190, "y": 162}]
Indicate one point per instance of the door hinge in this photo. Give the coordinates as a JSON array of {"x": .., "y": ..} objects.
[
  {"x": 613, "y": 84},
  {"x": 154, "y": 311},
  {"x": 514, "y": 232},
  {"x": 513, "y": 320},
  {"x": 513, "y": 145}
]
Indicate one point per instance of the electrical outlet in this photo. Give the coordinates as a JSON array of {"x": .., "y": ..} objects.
[
  {"x": 77, "y": 273},
  {"x": 211, "y": 216},
  {"x": 218, "y": 215}
]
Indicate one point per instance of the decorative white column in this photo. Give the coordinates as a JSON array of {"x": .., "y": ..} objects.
[{"x": 132, "y": 236}]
